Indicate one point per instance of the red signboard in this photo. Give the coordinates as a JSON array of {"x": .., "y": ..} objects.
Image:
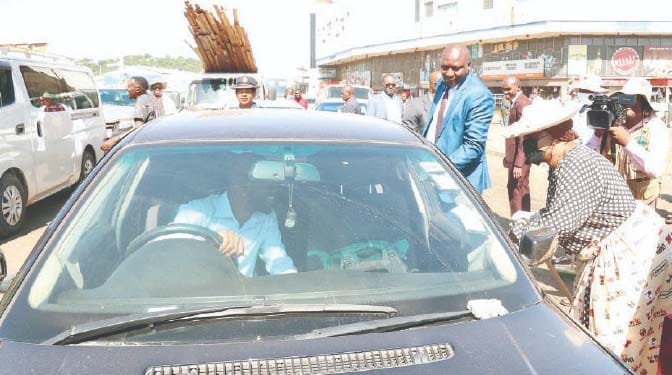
[{"x": 625, "y": 61}]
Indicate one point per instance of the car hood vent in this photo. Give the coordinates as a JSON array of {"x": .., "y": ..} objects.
[{"x": 317, "y": 364}]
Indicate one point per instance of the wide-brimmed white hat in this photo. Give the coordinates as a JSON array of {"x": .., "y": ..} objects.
[
  {"x": 591, "y": 82},
  {"x": 540, "y": 115},
  {"x": 637, "y": 86}
]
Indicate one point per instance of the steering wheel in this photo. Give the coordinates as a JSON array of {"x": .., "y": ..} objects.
[{"x": 208, "y": 234}]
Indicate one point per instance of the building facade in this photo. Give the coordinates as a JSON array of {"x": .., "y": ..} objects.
[{"x": 547, "y": 44}]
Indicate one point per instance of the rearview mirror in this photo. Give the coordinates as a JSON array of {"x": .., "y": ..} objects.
[
  {"x": 538, "y": 245},
  {"x": 269, "y": 170}
]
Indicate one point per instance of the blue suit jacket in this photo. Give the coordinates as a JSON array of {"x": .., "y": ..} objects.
[{"x": 465, "y": 128}]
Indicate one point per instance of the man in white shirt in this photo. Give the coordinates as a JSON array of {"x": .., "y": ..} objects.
[
  {"x": 248, "y": 230},
  {"x": 588, "y": 85},
  {"x": 387, "y": 105},
  {"x": 641, "y": 144}
]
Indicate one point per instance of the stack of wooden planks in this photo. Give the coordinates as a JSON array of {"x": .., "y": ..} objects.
[{"x": 221, "y": 46}]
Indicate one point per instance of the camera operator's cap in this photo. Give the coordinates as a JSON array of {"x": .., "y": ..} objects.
[
  {"x": 637, "y": 86},
  {"x": 541, "y": 114},
  {"x": 245, "y": 82},
  {"x": 591, "y": 83}
]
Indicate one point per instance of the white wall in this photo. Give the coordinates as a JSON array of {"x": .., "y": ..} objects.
[{"x": 373, "y": 22}]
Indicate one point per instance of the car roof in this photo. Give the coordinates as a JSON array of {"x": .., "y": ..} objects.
[{"x": 272, "y": 124}]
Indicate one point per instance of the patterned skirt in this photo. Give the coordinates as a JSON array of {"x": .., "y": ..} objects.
[{"x": 624, "y": 289}]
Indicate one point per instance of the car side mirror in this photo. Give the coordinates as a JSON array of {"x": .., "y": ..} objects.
[
  {"x": 5, "y": 281},
  {"x": 3, "y": 266},
  {"x": 538, "y": 245}
]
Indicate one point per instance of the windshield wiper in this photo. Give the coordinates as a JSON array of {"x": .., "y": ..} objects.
[
  {"x": 109, "y": 327},
  {"x": 386, "y": 325}
]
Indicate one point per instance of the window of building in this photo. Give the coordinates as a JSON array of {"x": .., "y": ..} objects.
[
  {"x": 487, "y": 4},
  {"x": 6, "y": 87},
  {"x": 429, "y": 8},
  {"x": 448, "y": 8},
  {"x": 417, "y": 10}
]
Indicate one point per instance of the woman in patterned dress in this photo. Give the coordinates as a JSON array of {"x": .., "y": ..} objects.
[{"x": 624, "y": 277}]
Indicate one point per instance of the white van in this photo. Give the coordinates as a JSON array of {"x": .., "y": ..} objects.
[{"x": 51, "y": 129}]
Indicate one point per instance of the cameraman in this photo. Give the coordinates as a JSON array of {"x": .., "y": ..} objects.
[{"x": 641, "y": 144}]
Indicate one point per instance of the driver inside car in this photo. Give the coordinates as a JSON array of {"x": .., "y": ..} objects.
[{"x": 248, "y": 230}]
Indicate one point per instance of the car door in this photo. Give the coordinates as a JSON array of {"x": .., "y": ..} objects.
[
  {"x": 88, "y": 124},
  {"x": 53, "y": 142},
  {"x": 15, "y": 143}
]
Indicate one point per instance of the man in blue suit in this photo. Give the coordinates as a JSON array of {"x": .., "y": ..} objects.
[{"x": 460, "y": 116}]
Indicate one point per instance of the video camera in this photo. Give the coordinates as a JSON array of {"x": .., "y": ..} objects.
[{"x": 605, "y": 110}]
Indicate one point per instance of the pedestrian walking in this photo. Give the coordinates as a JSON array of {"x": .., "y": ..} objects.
[
  {"x": 350, "y": 103},
  {"x": 518, "y": 181},
  {"x": 416, "y": 113},
  {"x": 460, "y": 116},
  {"x": 147, "y": 108},
  {"x": 621, "y": 245},
  {"x": 387, "y": 105}
]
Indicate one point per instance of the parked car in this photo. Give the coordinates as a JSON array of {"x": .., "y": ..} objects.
[
  {"x": 362, "y": 93},
  {"x": 52, "y": 129},
  {"x": 336, "y": 105},
  {"x": 364, "y": 249},
  {"x": 119, "y": 109}
]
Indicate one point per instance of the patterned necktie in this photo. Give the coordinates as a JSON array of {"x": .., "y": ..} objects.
[{"x": 442, "y": 111}]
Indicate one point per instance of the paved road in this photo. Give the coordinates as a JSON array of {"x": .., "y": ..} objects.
[{"x": 17, "y": 248}]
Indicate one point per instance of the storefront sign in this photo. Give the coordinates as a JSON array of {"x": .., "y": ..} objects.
[
  {"x": 530, "y": 68},
  {"x": 362, "y": 78},
  {"x": 658, "y": 62},
  {"x": 327, "y": 72},
  {"x": 578, "y": 59},
  {"x": 625, "y": 61}
]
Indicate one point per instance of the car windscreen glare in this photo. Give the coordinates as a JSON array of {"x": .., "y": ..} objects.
[
  {"x": 116, "y": 97},
  {"x": 319, "y": 224}
]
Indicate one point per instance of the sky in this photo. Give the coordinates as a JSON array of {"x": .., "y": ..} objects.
[{"x": 100, "y": 29}]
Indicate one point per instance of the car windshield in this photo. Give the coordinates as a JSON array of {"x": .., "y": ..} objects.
[
  {"x": 212, "y": 93},
  {"x": 337, "y": 107},
  {"x": 345, "y": 223},
  {"x": 330, "y": 107},
  {"x": 360, "y": 92},
  {"x": 116, "y": 97}
]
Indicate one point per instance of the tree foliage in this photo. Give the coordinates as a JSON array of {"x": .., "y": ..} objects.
[{"x": 166, "y": 62}]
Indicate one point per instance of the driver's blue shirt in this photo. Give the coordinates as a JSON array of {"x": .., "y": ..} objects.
[{"x": 260, "y": 233}]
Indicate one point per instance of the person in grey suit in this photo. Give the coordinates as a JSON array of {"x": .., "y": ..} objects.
[
  {"x": 351, "y": 105},
  {"x": 416, "y": 113},
  {"x": 387, "y": 105}
]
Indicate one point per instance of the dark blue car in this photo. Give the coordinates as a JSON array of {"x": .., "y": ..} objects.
[{"x": 281, "y": 242}]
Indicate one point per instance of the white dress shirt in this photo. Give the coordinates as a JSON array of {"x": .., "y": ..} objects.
[
  {"x": 260, "y": 233},
  {"x": 393, "y": 108},
  {"x": 431, "y": 132}
]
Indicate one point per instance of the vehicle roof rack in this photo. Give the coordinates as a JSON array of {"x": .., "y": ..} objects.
[{"x": 23, "y": 53}]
